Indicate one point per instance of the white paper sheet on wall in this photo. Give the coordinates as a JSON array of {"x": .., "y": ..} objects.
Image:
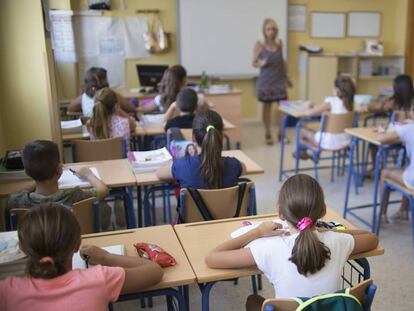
[
  {"x": 114, "y": 65},
  {"x": 134, "y": 27},
  {"x": 63, "y": 40}
]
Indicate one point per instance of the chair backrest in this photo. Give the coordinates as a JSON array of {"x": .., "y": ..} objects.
[
  {"x": 338, "y": 122},
  {"x": 361, "y": 291},
  {"x": 83, "y": 211},
  {"x": 98, "y": 150},
  {"x": 221, "y": 203}
]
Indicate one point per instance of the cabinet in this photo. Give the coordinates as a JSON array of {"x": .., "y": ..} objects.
[{"x": 317, "y": 73}]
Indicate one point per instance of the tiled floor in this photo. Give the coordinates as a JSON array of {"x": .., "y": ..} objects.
[{"x": 392, "y": 272}]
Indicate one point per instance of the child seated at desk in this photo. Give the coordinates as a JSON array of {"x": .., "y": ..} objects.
[
  {"x": 402, "y": 98},
  {"x": 173, "y": 81},
  {"x": 96, "y": 79},
  {"x": 185, "y": 105},
  {"x": 41, "y": 162},
  {"x": 303, "y": 261},
  {"x": 341, "y": 102},
  {"x": 107, "y": 121},
  {"x": 403, "y": 133},
  {"x": 208, "y": 170},
  {"x": 49, "y": 235}
]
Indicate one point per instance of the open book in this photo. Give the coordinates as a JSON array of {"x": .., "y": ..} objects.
[
  {"x": 69, "y": 180},
  {"x": 9, "y": 247},
  {"x": 72, "y": 126},
  {"x": 79, "y": 263},
  {"x": 148, "y": 161},
  {"x": 250, "y": 225}
]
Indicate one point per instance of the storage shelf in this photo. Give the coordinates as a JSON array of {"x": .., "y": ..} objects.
[{"x": 389, "y": 77}]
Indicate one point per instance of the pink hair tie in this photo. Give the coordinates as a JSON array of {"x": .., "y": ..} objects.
[
  {"x": 304, "y": 223},
  {"x": 47, "y": 259}
]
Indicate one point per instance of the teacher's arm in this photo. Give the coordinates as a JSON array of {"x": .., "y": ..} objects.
[{"x": 257, "y": 62}]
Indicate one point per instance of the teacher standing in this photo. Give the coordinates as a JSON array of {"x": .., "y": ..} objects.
[{"x": 273, "y": 80}]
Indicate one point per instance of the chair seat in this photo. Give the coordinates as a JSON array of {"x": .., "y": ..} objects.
[{"x": 400, "y": 185}]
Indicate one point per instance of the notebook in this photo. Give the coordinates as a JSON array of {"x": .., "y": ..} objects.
[
  {"x": 69, "y": 180},
  {"x": 9, "y": 247},
  {"x": 72, "y": 126},
  {"x": 152, "y": 120},
  {"x": 250, "y": 225},
  {"x": 148, "y": 161},
  {"x": 79, "y": 263}
]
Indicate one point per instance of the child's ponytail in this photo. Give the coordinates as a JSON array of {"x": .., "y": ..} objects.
[
  {"x": 302, "y": 203},
  {"x": 208, "y": 132},
  {"x": 346, "y": 91},
  {"x": 105, "y": 101},
  {"x": 48, "y": 234}
]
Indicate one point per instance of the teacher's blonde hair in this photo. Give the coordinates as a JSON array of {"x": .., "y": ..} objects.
[{"x": 265, "y": 23}]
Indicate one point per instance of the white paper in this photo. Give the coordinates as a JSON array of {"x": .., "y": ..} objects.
[
  {"x": 72, "y": 126},
  {"x": 148, "y": 161},
  {"x": 69, "y": 180},
  {"x": 152, "y": 120},
  {"x": 79, "y": 263},
  {"x": 63, "y": 40},
  {"x": 297, "y": 17},
  {"x": 9, "y": 247},
  {"x": 255, "y": 224},
  {"x": 133, "y": 28},
  {"x": 114, "y": 65}
]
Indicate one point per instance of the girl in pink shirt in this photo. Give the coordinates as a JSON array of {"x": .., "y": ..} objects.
[{"x": 49, "y": 235}]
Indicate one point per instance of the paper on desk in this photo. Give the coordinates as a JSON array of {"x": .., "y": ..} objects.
[
  {"x": 69, "y": 180},
  {"x": 9, "y": 247},
  {"x": 255, "y": 224},
  {"x": 79, "y": 263},
  {"x": 152, "y": 120}
]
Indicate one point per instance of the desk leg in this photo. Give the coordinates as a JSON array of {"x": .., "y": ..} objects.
[
  {"x": 139, "y": 206},
  {"x": 282, "y": 145},
  {"x": 350, "y": 174},
  {"x": 130, "y": 208},
  {"x": 376, "y": 182},
  {"x": 205, "y": 295},
  {"x": 363, "y": 262}
]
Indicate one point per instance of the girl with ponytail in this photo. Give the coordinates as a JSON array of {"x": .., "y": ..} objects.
[
  {"x": 106, "y": 121},
  {"x": 208, "y": 169},
  {"x": 302, "y": 261},
  {"x": 49, "y": 235}
]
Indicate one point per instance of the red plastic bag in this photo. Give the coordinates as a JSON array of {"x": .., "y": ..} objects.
[{"x": 155, "y": 253}]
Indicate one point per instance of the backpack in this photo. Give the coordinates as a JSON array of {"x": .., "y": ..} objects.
[{"x": 341, "y": 300}]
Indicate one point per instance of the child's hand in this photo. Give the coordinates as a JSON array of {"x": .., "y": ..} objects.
[
  {"x": 84, "y": 172},
  {"x": 262, "y": 62},
  {"x": 95, "y": 255},
  {"x": 270, "y": 228}
]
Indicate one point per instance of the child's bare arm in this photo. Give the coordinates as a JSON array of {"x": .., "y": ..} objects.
[
  {"x": 139, "y": 273},
  {"x": 75, "y": 105},
  {"x": 363, "y": 240},
  {"x": 99, "y": 185}
]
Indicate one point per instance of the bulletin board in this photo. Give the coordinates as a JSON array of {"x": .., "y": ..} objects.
[
  {"x": 328, "y": 25},
  {"x": 364, "y": 24}
]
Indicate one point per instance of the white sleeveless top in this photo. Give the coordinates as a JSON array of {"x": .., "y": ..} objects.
[
  {"x": 332, "y": 141},
  {"x": 87, "y": 104}
]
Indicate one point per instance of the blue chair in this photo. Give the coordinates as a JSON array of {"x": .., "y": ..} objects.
[
  {"x": 330, "y": 123},
  {"x": 391, "y": 185},
  {"x": 364, "y": 292}
]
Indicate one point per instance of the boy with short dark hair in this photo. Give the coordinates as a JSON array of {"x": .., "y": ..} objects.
[
  {"x": 186, "y": 103},
  {"x": 41, "y": 162}
]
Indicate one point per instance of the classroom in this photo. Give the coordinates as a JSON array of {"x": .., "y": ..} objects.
[{"x": 206, "y": 155}]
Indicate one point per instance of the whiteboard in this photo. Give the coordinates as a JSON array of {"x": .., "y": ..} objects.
[
  {"x": 327, "y": 25},
  {"x": 364, "y": 24},
  {"x": 218, "y": 36}
]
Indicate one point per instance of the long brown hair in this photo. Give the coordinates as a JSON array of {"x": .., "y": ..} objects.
[
  {"x": 346, "y": 91},
  {"x": 49, "y": 230},
  {"x": 105, "y": 101},
  {"x": 171, "y": 84},
  {"x": 403, "y": 92},
  {"x": 302, "y": 196},
  {"x": 208, "y": 133}
]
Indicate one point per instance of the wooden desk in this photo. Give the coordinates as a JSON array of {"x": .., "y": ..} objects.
[
  {"x": 365, "y": 134},
  {"x": 368, "y": 134},
  {"x": 252, "y": 168},
  {"x": 212, "y": 233},
  {"x": 163, "y": 236},
  {"x": 228, "y": 105}
]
